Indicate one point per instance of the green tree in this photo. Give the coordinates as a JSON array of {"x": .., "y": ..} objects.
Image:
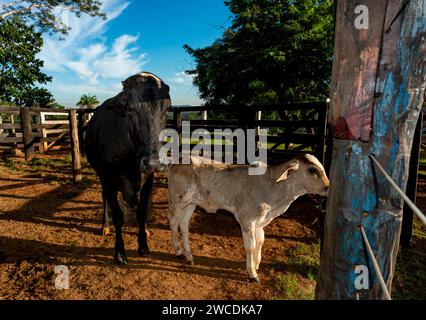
[
  {"x": 275, "y": 51},
  {"x": 20, "y": 70},
  {"x": 88, "y": 101},
  {"x": 41, "y": 12},
  {"x": 55, "y": 105}
]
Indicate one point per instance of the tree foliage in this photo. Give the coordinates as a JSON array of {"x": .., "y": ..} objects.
[
  {"x": 88, "y": 101},
  {"x": 275, "y": 51},
  {"x": 41, "y": 13},
  {"x": 20, "y": 70}
]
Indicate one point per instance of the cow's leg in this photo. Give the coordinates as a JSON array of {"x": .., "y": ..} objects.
[
  {"x": 141, "y": 215},
  {"x": 249, "y": 241},
  {"x": 185, "y": 217},
  {"x": 105, "y": 217},
  {"x": 118, "y": 220},
  {"x": 260, "y": 239}
]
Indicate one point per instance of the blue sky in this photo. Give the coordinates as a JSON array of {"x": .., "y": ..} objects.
[{"x": 138, "y": 35}]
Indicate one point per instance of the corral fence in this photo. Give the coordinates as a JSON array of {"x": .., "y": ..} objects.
[
  {"x": 30, "y": 129},
  {"x": 293, "y": 129},
  {"x": 423, "y": 138}
]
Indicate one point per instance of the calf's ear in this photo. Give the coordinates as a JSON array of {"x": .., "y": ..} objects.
[{"x": 288, "y": 171}]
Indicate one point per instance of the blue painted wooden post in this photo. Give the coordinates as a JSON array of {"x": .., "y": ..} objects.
[{"x": 379, "y": 79}]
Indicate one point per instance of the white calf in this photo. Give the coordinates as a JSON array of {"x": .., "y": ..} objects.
[{"x": 254, "y": 200}]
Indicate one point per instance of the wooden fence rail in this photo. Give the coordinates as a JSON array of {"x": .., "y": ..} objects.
[
  {"x": 288, "y": 136},
  {"x": 307, "y": 134}
]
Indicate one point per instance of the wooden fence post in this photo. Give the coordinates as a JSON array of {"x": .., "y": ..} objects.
[
  {"x": 407, "y": 221},
  {"x": 27, "y": 134},
  {"x": 322, "y": 133},
  {"x": 44, "y": 143},
  {"x": 81, "y": 125},
  {"x": 75, "y": 146},
  {"x": 177, "y": 122},
  {"x": 378, "y": 86},
  {"x": 12, "y": 121},
  {"x": 177, "y": 119}
]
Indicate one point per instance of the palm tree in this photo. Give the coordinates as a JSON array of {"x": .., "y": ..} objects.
[{"x": 88, "y": 101}]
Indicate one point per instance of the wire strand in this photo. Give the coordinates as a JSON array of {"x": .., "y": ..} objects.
[
  {"x": 410, "y": 203},
  {"x": 375, "y": 265}
]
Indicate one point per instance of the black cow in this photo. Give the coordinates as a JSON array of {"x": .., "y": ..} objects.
[{"x": 122, "y": 145}]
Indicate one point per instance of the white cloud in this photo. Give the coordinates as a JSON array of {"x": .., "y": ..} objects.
[
  {"x": 182, "y": 78},
  {"x": 88, "y": 88},
  {"x": 122, "y": 57},
  {"x": 85, "y": 51}
]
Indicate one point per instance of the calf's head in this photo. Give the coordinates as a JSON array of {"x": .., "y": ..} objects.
[
  {"x": 151, "y": 99},
  {"x": 307, "y": 173}
]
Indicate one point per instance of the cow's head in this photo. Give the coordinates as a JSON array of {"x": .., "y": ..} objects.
[
  {"x": 151, "y": 97},
  {"x": 308, "y": 173}
]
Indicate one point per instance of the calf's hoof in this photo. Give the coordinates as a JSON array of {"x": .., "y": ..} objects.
[
  {"x": 189, "y": 261},
  {"x": 120, "y": 259},
  {"x": 255, "y": 280},
  {"x": 181, "y": 257},
  {"x": 106, "y": 231},
  {"x": 144, "y": 252}
]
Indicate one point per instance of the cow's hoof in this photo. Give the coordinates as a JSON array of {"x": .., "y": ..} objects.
[
  {"x": 255, "y": 280},
  {"x": 106, "y": 231},
  {"x": 190, "y": 262},
  {"x": 120, "y": 259},
  {"x": 180, "y": 257},
  {"x": 144, "y": 252}
]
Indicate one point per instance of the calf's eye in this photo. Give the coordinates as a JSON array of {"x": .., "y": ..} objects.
[{"x": 313, "y": 171}]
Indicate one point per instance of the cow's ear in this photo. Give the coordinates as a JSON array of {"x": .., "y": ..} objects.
[{"x": 294, "y": 166}]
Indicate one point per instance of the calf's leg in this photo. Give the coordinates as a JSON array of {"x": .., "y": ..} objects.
[
  {"x": 141, "y": 215},
  {"x": 260, "y": 239},
  {"x": 186, "y": 215},
  {"x": 120, "y": 257},
  {"x": 174, "y": 227},
  {"x": 249, "y": 241}
]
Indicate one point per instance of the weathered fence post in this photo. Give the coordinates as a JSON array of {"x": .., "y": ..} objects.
[
  {"x": 39, "y": 126},
  {"x": 44, "y": 142},
  {"x": 81, "y": 125},
  {"x": 407, "y": 221},
  {"x": 75, "y": 146},
  {"x": 12, "y": 121},
  {"x": 322, "y": 133},
  {"x": 177, "y": 119},
  {"x": 378, "y": 85},
  {"x": 177, "y": 122},
  {"x": 27, "y": 133}
]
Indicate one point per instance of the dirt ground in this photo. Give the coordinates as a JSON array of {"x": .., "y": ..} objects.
[{"x": 46, "y": 221}]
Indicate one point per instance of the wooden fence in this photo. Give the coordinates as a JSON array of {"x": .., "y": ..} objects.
[
  {"x": 293, "y": 129},
  {"x": 423, "y": 141},
  {"x": 23, "y": 131}
]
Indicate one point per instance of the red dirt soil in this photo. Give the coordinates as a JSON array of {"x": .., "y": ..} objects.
[{"x": 46, "y": 221}]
